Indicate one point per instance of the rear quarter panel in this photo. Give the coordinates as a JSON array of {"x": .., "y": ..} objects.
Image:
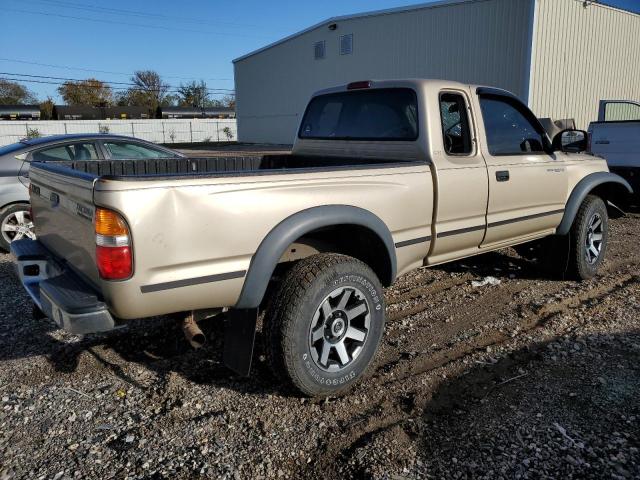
[{"x": 191, "y": 228}]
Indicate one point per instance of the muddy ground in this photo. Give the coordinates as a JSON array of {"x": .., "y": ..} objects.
[{"x": 531, "y": 378}]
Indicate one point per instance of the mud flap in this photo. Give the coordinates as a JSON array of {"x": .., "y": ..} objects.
[
  {"x": 239, "y": 337},
  {"x": 555, "y": 253}
]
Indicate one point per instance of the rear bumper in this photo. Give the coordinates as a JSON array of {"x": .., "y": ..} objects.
[{"x": 61, "y": 294}]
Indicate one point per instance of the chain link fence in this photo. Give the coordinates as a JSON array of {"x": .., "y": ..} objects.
[{"x": 154, "y": 130}]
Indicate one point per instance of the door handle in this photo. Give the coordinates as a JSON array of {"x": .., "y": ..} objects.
[
  {"x": 602, "y": 142},
  {"x": 502, "y": 175}
]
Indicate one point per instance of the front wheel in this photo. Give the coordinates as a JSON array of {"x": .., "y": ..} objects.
[
  {"x": 15, "y": 224},
  {"x": 325, "y": 324},
  {"x": 589, "y": 237}
]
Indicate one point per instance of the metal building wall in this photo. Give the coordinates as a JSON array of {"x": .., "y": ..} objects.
[
  {"x": 580, "y": 56},
  {"x": 475, "y": 41}
]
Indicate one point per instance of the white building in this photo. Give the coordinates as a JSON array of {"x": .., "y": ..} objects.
[{"x": 560, "y": 56}]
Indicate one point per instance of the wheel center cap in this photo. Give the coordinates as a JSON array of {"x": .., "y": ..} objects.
[{"x": 338, "y": 327}]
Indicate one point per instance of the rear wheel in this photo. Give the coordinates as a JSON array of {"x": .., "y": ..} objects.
[
  {"x": 15, "y": 224},
  {"x": 325, "y": 324}
]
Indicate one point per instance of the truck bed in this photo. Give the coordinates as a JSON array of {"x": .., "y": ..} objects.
[{"x": 218, "y": 166}]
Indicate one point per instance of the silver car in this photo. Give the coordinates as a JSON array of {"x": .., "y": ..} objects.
[{"x": 15, "y": 219}]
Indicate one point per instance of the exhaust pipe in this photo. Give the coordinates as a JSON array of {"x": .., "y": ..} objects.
[{"x": 192, "y": 332}]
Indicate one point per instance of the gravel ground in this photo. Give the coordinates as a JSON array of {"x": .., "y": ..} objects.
[{"x": 531, "y": 378}]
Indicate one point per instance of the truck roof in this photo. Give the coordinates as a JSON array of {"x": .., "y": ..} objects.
[{"x": 414, "y": 83}]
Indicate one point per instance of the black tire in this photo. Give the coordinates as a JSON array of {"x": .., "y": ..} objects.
[
  {"x": 299, "y": 313},
  {"x": 7, "y": 217},
  {"x": 583, "y": 263}
]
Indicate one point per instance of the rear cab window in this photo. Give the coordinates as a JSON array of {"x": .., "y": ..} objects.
[{"x": 376, "y": 114}]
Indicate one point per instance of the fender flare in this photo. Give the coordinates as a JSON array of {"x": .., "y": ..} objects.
[
  {"x": 273, "y": 246},
  {"x": 581, "y": 190}
]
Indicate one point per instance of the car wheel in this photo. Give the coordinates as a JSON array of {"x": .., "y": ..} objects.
[
  {"x": 589, "y": 237},
  {"x": 325, "y": 324},
  {"x": 15, "y": 224}
]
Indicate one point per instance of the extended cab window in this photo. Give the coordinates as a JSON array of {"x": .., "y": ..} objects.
[
  {"x": 69, "y": 152},
  {"x": 377, "y": 114},
  {"x": 509, "y": 131},
  {"x": 455, "y": 124}
]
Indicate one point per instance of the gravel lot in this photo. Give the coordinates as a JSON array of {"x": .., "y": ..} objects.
[{"x": 531, "y": 378}]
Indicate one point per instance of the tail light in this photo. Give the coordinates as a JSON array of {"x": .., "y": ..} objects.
[
  {"x": 589, "y": 142},
  {"x": 113, "y": 245}
]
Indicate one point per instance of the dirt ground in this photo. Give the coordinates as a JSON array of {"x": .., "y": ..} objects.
[{"x": 531, "y": 378}]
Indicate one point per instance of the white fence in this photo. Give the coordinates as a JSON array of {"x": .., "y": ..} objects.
[{"x": 157, "y": 131}]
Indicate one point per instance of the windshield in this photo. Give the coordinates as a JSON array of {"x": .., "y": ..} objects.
[{"x": 379, "y": 114}]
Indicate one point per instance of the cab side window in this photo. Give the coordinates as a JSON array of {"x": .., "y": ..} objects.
[
  {"x": 455, "y": 124},
  {"x": 509, "y": 131}
]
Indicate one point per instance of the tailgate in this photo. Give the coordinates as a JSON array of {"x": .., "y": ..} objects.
[{"x": 62, "y": 203}]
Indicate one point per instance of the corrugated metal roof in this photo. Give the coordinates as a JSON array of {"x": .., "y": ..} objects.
[{"x": 389, "y": 11}]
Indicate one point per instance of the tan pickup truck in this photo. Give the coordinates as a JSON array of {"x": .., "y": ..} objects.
[{"x": 385, "y": 177}]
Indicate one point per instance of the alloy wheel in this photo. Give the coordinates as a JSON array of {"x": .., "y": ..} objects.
[
  {"x": 594, "y": 239},
  {"x": 16, "y": 226},
  {"x": 339, "y": 329}
]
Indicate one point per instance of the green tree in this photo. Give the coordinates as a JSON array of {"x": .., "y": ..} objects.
[
  {"x": 12, "y": 93},
  {"x": 86, "y": 92},
  {"x": 46, "y": 109},
  {"x": 194, "y": 94}
]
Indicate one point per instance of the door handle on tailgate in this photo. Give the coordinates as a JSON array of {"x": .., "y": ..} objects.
[
  {"x": 54, "y": 198},
  {"x": 502, "y": 175}
]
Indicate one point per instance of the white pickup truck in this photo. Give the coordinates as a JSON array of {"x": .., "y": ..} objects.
[{"x": 616, "y": 137}]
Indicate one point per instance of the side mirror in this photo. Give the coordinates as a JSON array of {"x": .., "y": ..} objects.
[{"x": 571, "y": 141}]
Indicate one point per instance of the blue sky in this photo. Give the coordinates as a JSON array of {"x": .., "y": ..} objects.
[{"x": 182, "y": 40}]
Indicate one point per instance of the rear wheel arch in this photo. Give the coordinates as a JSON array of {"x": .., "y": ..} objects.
[
  {"x": 351, "y": 226},
  {"x": 606, "y": 185}
]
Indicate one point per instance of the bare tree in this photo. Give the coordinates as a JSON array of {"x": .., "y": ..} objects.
[{"x": 149, "y": 90}]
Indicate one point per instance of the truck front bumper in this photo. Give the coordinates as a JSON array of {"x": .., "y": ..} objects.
[{"x": 62, "y": 295}]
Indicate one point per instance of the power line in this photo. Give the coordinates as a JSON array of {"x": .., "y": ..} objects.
[
  {"x": 63, "y": 67},
  {"x": 157, "y": 16},
  {"x": 102, "y": 81},
  {"x": 140, "y": 25}
]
